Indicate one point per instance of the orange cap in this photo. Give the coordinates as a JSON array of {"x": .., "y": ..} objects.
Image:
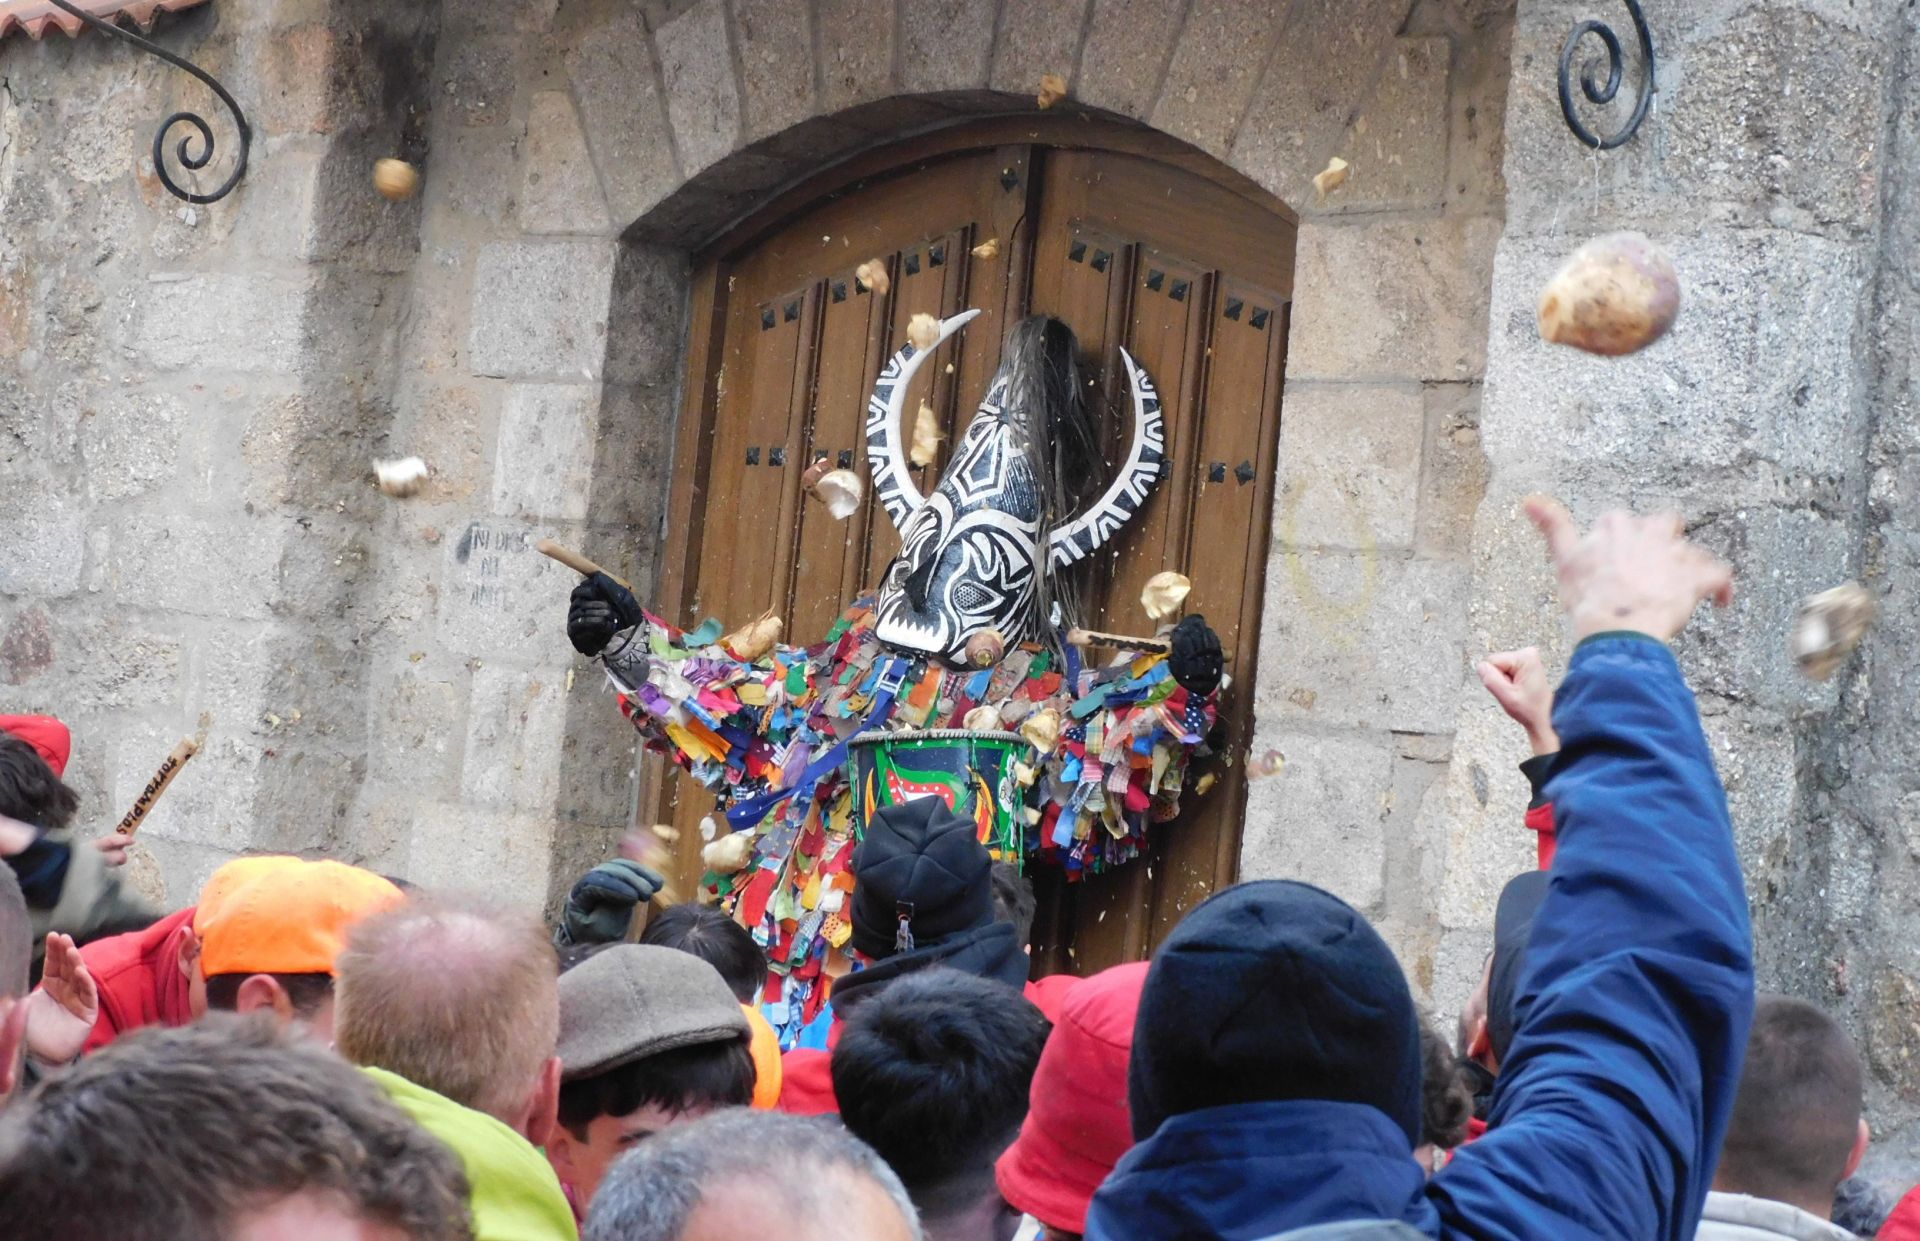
[
  {"x": 289, "y": 919},
  {"x": 765, "y": 1049},
  {"x": 224, "y": 881}
]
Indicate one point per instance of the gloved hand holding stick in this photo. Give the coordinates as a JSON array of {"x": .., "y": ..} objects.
[{"x": 602, "y": 606}]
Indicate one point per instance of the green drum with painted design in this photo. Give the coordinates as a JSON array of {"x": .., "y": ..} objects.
[{"x": 973, "y": 772}]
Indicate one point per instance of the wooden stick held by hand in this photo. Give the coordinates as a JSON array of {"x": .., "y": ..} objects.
[
  {"x": 1118, "y": 641},
  {"x": 574, "y": 560},
  {"x": 187, "y": 748}
]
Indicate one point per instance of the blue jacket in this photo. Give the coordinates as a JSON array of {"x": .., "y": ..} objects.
[{"x": 1633, "y": 1015}]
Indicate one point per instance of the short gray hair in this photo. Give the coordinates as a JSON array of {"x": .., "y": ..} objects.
[
  {"x": 650, "y": 1193},
  {"x": 453, "y": 993}
]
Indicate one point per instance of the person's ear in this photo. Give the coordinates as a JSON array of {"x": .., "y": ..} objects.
[
  {"x": 559, "y": 1148},
  {"x": 263, "y": 991},
  {"x": 13, "y": 1034},
  {"x": 543, "y": 1109},
  {"x": 1480, "y": 1047},
  {"x": 1862, "y": 1136},
  {"x": 189, "y": 959}
]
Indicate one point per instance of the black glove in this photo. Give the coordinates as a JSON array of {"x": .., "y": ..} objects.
[
  {"x": 1196, "y": 660},
  {"x": 601, "y": 905},
  {"x": 601, "y": 607}
]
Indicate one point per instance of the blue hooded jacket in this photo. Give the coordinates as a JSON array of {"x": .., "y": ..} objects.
[{"x": 1633, "y": 1010}]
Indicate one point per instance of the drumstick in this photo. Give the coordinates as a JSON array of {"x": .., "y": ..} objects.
[
  {"x": 187, "y": 748},
  {"x": 574, "y": 560},
  {"x": 1118, "y": 641}
]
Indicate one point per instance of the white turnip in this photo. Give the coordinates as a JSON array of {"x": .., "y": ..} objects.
[{"x": 1616, "y": 295}]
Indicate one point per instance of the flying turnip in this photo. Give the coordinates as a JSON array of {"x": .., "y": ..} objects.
[{"x": 1616, "y": 295}]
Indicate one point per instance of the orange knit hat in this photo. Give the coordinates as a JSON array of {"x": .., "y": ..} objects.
[{"x": 289, "y": 918}]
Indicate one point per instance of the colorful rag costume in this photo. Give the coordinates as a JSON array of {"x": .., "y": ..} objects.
[{"x": 946, "y": 682}]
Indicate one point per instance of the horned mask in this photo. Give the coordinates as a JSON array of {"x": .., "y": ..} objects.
[{"x": 972, "y": 553}]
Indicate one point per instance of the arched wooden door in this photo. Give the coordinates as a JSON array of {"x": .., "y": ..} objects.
[{"x": 1189, "y": 271}]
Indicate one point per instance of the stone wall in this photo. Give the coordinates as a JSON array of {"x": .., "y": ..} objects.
[
  {"x": 1858, "y": 849},
  {"x": 1778, "y": 169},
  {"x": 189, "y": 400},
  {"x": 1381, "y": 465}
]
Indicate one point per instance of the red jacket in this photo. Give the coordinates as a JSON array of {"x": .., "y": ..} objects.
[
  {"x": 1539, "y": 809},
  {"x": 1904, "y": 1223},
  {"x": 139, "y": 978},
  {"x": 806, "y": 1081},
  {"x": 1540, "y": 819},
  {"x": 806, "y": 1073}
]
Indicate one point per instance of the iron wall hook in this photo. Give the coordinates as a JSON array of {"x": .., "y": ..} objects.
[
  {"x": 188, "y": 158},
  {"x": 1600, "y": 92}
]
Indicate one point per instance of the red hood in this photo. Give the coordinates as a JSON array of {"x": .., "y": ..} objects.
[
  {"x": 139, "y": 978},
  {"x": 45, "y": 734}
]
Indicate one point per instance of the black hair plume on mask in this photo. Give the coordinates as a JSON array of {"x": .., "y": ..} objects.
[{"x": 1047, "y": 398}]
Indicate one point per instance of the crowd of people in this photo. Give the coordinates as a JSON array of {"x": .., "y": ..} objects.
[{"x": 312, "y": 1051}]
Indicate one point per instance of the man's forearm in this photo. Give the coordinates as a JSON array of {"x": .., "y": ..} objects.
[{"x": 1639, "y": 805}]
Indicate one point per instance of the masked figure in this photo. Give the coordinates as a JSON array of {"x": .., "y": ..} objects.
[{"x": 953, "y": 679}]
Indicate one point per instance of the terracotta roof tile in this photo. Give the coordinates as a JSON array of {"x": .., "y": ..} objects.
[{"x": 35, "y": 16}]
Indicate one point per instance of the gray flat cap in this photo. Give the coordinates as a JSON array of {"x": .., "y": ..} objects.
[{"x": 631, "y": 1001}]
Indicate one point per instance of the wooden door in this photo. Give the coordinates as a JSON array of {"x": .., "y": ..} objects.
[{"x": 1190, "y": 276}]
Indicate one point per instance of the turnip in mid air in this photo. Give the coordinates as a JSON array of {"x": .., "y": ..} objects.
[{"x": 1616, "y": 295}]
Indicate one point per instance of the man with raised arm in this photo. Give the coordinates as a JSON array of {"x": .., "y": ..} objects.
[{"x": 1275, "y": 1078}]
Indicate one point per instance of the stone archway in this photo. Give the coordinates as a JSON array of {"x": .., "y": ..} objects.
[{"x": 585, "y": 155}]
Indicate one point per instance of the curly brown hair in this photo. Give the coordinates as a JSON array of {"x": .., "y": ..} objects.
[
  {"x": 1446, "y": 1101},
  {"x": 175, "y": 1134}
]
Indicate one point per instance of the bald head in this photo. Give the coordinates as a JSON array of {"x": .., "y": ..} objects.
[{"x": 455, "y": 995}]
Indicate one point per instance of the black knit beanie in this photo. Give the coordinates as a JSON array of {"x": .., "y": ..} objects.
[
  {"x": 922, "y": 862},
  {"x": 1274, "y": 990}
]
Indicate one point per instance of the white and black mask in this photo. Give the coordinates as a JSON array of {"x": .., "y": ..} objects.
[{"x": 971, "y": 553}]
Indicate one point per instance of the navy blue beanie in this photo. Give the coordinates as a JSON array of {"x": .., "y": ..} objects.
[
  {"x": 1274, "y": 990},
  {"x": 920, "y": 869}
]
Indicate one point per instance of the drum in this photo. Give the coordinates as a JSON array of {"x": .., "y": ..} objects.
[{"x": 970, "y": 771}]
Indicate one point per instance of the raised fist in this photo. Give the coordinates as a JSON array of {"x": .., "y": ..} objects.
[
  {"x": 600, "y": 608},
  {"x": 1196, "y": 659},
  {"x": 1518, "y": 682}
]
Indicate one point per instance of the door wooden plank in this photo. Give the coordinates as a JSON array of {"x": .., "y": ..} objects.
[
  {"x": 1228, "y": 542},
  {"x": 686, "y": 503},
  {"x": 1104, "y": 202},
  {"x": 793, "y": 460},
  {"x": 738, "y": 565},
  {"x": 837, "y": 414}
]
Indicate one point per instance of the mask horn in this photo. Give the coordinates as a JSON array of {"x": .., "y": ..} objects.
[
  {"x": 1087, "y": 533},
  {"x": 892, "y": 481}
]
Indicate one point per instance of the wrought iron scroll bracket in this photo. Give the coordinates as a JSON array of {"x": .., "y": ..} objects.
[
  {"x": 1602, "y": 92},
  {"x": 188, "y": 157}
]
